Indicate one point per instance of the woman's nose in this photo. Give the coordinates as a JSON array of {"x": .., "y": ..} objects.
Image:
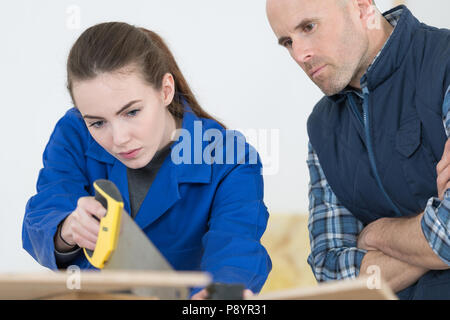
[{"x": 120, "y": 135}]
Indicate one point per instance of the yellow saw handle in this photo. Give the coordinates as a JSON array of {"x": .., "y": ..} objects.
[{"x": 109, "y": 196}]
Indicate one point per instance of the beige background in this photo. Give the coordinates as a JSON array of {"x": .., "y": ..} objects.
[{"x": 287, "y": 241}]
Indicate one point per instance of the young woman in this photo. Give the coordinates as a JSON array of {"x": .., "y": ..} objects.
[{"x": 131, "y": 103}]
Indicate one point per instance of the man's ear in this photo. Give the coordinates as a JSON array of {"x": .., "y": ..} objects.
[
  {"x": 369, "y": 14},
  {"x": 168, "y": 88}
]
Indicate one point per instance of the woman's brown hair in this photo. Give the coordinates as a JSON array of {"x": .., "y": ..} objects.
[{"x": 110, "y": 46}]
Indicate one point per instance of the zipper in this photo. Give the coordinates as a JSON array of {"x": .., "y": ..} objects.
[
  {"x": 354, "y": 108},
  {"x": 366, "y": 124}
]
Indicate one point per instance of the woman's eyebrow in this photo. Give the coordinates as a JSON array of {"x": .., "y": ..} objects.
[{"x": 129, "y": 104}]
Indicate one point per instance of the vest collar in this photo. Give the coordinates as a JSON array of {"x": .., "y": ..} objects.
[
  {"x": 391, "y": 55},
  {"x": 395, "y": 49}
]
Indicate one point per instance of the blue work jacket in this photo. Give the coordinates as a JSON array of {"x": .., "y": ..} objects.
[{"x": 201, "y": 215}]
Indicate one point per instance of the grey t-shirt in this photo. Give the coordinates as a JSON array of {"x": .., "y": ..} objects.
[{"x": 140, "y": 180}]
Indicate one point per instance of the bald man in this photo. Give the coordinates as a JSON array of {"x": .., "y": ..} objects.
[{"x": 378, "y": 196}]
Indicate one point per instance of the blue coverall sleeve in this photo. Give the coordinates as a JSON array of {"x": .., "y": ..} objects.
[
  {"x": 233, "y": 252},
  {"x": 61, "y": 182}
]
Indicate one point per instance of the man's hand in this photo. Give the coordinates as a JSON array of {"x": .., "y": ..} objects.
[
  {"x": 402, "y": 239},
  {"x": 443, "y": 172},
  {"x": 366, "y": 237}
]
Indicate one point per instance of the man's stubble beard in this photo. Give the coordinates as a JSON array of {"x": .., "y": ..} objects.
[{"x": 350, "y": 69}]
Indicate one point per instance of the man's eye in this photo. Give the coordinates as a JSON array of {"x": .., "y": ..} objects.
[
  {"x": 287, "y": 44},
  {"x": 309, "y": 27},
  {"x": 97, "y": 124}
]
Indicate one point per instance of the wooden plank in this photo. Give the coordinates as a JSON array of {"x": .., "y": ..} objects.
[
  {"x": 49, "y": 284},
  {"x": 336, "y": 290},
  {"x": 97, "y": 296}
]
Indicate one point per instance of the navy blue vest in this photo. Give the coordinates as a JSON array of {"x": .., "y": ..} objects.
[{"x": 379, "y": 152}]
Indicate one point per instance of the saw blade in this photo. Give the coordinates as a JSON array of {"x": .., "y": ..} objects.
[{"x": 135, "y": 251}]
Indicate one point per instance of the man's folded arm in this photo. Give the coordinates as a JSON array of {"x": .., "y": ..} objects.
[{"x": 334, "y": 233}]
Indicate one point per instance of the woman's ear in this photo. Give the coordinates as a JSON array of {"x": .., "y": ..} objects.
[{"x": 168, "y": 89}]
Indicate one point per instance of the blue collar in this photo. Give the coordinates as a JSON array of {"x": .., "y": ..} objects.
[
  {"x": 185, "y": 173},
  {"x": 164, "y": 192}
]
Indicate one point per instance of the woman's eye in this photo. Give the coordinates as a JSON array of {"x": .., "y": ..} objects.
[
  {"x": 97, "y": 124},
  {"x": 309, "y": 27},
  {"x": 132, "y": 113}
]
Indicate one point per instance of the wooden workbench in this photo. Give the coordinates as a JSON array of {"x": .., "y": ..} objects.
[{"x": 112, "y": 285}]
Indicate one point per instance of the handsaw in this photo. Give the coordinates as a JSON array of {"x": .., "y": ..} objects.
[{"x": 122, "y": 245}]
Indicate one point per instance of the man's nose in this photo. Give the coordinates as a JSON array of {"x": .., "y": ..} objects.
[{"x": 301, "y": 52}]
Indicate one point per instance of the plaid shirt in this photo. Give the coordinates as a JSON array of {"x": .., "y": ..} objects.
[{"x": 334, "y": 230}]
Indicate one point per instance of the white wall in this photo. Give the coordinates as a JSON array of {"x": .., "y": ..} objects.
[{"x": 226, "y": 50}]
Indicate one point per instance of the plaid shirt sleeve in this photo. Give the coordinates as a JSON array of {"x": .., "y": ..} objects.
[
  {"x": 436, "y": 218},
  {"x": 333, "y": 230}
]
